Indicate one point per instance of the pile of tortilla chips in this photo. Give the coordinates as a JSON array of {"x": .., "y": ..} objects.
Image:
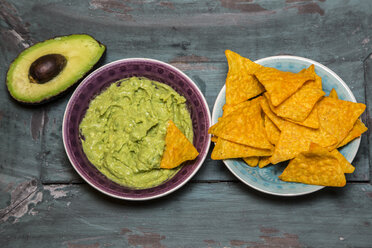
[{"x": 271, "y": 116}]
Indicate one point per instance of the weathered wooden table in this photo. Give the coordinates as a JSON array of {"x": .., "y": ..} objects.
[{"x": 44, "y": 203}]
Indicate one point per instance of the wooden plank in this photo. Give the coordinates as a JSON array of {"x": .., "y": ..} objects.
[
  {"x": 198, "y": 215},
  {"x": 20, "y": 140},
  {"x": 207, "y": 28},
  {"x": 368, "y": 116},
  {"x": 56, "y": 167}
]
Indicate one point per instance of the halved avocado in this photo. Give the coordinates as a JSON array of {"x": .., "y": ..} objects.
[{"x": 49, "y": 68}]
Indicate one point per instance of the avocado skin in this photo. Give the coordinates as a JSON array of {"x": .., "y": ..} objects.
[{"x": 62, "y": 92}]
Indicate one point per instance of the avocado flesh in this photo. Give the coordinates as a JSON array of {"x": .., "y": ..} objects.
[{"x": 81, "y": 51}]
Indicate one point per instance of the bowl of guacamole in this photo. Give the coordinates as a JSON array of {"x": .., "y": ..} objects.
[{"x": 115, "y": 124}]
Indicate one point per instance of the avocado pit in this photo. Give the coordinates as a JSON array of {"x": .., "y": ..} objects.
[{"x": 46, "y": 68}]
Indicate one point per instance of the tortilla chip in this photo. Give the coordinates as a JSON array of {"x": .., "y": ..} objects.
[
  {"x": 295, "y": 139},
  {"x": 243, "y": 126},
  {"x": 355, "y": 132},
  {"x": 229, "y": 108},
  {"x": 317, "y": 83},
  {"x": 358, "y": 129},
  {"x": 311, "y": 121},
  {"x": 178, "y": 148},
  {"x": 333, "y": 94},
  {"x": 316, "y": 166},
  {"x": 214, "y": 139},
  {"x": 241, "y": 85},
  {"x": 251, "y": 161},
  {"x": 281, "y": 85},
  {"x": 225, "y": 149},
  {"x": 337, "y": 117},
  {"x": 345, "y": 165},
  {"x": 299, "y": 106},
  {"x": 278, "y": 121},
  {"x": 264, "y": 161},
  {"x": 272, "y": 131}
]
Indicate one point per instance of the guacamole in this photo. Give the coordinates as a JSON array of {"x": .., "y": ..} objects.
[{"x": 123, "y": 131}]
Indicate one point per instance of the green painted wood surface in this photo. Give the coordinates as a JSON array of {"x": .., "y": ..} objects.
[
  {"x": 44, "y": 203},
  {"x": 198, "y": 215}
]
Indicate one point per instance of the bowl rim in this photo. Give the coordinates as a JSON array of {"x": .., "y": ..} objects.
[
  {"x": 317, "y": 64},
  {"x": 129, "y": 60}
]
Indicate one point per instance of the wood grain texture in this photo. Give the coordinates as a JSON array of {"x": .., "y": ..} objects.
[
  {"x": 198, "y": 215},
  {"x": 179, "y": 43},
  {"x": 194, "y": 42},
  {"x": 368, "y": 116},
  {"x": 44, "y": 203}
]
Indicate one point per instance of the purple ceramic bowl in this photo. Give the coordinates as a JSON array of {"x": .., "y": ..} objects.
[{"x": 99, "y": 80}]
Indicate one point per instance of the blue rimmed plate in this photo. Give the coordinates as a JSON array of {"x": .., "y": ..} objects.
[{"x": 266, "y": 179}]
